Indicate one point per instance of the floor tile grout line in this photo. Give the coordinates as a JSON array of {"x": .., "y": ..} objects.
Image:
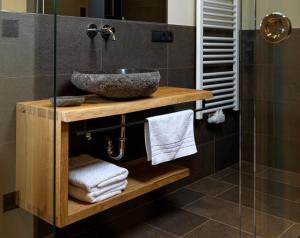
[
  {"x": 260, "y": 175},
  {"x": 172, "y": 192},
  {"x": 236, "y": 228},
  {"x": 162, "y": 230},
  {"x": 236, "y": 204},
  {"x": 262, "y": 212},
  {"x": 221, "y": 222},
  {"x": 233, "y": 186},
  {"x": 213, "y": 195},
  {"x": 221, "y": 177},
  {"x": 277, "y": 181},
  {"x": 266, "y": 168},
  {"x": 197, "y": 227},
  {"x": 232, "y": 226},
  {"x": 197, "y": 200},
  {"x": 285, "y": 171},
  {"x": 275, "y": 196},
  {"x": 207, "y": 177},
  {"x": 285, "y": 231}
]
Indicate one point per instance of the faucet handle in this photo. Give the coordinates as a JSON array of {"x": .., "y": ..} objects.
[
  {"x": 92, "y": 30},
  {"x": 107, "y": 31}
]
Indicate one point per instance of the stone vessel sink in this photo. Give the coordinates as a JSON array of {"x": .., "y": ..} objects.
[{"x": 118, "y": 84}]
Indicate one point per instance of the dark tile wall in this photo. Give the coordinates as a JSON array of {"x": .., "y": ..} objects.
[
  {"x": 27, "y": 74},
  {"x": 270, "y": 91}
]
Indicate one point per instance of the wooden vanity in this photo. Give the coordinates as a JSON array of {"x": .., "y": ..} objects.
[{"x": 35, "y": 154}]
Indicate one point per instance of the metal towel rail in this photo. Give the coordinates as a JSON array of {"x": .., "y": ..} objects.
[{"x": 218, "y": 54}]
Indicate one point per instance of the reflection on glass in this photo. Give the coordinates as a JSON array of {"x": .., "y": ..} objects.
[{"x": 142, "y": 10}]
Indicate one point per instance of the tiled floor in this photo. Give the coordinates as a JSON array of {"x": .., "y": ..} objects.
[{"x": 209, "y": 208}]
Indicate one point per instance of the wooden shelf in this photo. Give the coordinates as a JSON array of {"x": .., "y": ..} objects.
[
  {"x": 96, "y": 107},
  {"x": 143, "y": 178},
  {"x": 34, "y": 154}
]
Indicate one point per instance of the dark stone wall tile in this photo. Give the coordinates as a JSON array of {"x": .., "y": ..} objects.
[
  {"x": 34, "y": 46},
  {"x": 286, "y": 84},
  {"x": 230, "y": 126},
  {"x": 200, "y": 164},
  {"x": 279, "y": 55},
  {"x": 247, "y": 116},
  {"x": 22, "y": 46},
  {"x": 257, "y": 82},
  {"x": 164, "y": 77},
  {"x": 7, "y": 162},
  {"x": 184, "y": 78},
  {"x": 226, "y": 150},
  {"x": 247, "y": 47},
  {"x": 247, "y": 146},
  {"x": 264, "y": 117},
  {"x": 278, "y": 152},
  {"x": 182, "y": 52},
  {"x": 204, "y": 132},
  {"x": 247, "y": 76},
  {"x": 75, "y": 50},
  {"x": 133, "y": 47},
  {"x": 270, "y": 86},
  {"x": 13, "y": 90},
  {"x": 287, "y": 119}
]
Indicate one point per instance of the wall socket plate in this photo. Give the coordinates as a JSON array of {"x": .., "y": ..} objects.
[
  {"x": 10, "y": 201},
  {"x": 162, "y": 36}
]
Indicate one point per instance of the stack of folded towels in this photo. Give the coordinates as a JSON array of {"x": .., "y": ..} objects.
[{"x": 94, "y": 180}]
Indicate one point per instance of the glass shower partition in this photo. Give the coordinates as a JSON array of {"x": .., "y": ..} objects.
[
  {"x": 27, "y": 161},
  {"x": 270, "y": 119}
]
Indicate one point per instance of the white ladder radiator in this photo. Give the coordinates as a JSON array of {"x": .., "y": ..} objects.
[{"x": 218, "y": 54}]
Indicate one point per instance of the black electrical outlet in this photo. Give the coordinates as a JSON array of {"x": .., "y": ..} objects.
[
  {"x": 10, "y": 201},
  {"x": 162, "y": 36}
]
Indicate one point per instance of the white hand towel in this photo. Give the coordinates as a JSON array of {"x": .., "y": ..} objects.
[
  {"x": 170, "y": 136},
  {"x": 98, "y": 194},
  {"x": 87, "y": 173}
]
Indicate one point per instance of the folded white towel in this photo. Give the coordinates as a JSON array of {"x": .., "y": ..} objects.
[
  {"x": 87, "y": 172},
  {"x": 98, "y": 194},
  {"x": 170, "y": 136},
  {"x": 100, "y": 198}
]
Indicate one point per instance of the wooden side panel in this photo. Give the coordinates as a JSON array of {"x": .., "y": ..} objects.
[
  {"x": 34, "y": 162},
  {"x": 62, "y": 174}
]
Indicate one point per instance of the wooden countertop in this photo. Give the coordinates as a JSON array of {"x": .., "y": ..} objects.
[{"x": 96, "y": 107}]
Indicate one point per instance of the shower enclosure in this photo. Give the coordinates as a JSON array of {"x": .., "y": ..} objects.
[
  {"x": 270, "y": 144},
  {"x": 27, "y": 73},
  {"x": 257, "y": 197}
]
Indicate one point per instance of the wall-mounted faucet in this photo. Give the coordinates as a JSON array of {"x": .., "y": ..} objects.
[{"x": 106, "y": 31}]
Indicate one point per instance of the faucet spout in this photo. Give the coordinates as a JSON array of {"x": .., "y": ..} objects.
[{"x": 108, "y": 31}]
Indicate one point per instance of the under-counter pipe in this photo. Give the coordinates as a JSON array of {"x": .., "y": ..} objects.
[{"x": 122, "y": 142}]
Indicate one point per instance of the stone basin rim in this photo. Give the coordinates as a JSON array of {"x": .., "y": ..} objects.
[{"x": 117, "y": 72}]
